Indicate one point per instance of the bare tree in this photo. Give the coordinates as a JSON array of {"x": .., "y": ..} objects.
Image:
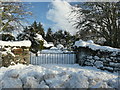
[
  {"x": 11, "y": 15},
  {"x": 102, "y": 19}
]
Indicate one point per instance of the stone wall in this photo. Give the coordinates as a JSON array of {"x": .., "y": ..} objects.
[
  {"x": 12, "y": 55},
  {"x": 104, "y": 60},
  {"x": 22, "y": 55}
]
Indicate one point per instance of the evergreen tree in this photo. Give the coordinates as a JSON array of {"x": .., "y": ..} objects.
[
  {"x": 8, "y": 37},
  {"x": 58, "y": 37},
  {"x": 49, "y": 35},
  {"x": 67, "y": 38},
  {"x": 35, "y": 26},
  {"x": 64, "y": 38},
  {"x": 30, "y": 33},
  {"x": 41, "y": 30}
]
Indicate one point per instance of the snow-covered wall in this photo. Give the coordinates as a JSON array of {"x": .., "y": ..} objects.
[
  {"x": 102, "y": 57},
  {"x": 15, "y": 43},
  {"x": 91, "y": 45},
  {"x": 13, "y": 52}
]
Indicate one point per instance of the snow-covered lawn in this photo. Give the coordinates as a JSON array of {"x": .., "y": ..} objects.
[{"x": 56, "y": 76}]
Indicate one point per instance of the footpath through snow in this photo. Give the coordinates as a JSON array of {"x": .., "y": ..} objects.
[{"x": 56, "y": 76}]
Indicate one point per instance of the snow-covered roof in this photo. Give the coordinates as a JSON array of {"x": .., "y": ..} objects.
[
  {"x": 15, "y": 43},
  {"x": 94, "y": 46}
]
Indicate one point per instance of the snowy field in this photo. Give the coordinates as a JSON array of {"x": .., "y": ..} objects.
[{"x": 56, "y": 76}]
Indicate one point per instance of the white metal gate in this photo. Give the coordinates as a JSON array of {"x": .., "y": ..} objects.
[{"x": 53, "y": 58}]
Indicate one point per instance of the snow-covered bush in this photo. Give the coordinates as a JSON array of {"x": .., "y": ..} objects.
[{"x": 60, "y": 46}]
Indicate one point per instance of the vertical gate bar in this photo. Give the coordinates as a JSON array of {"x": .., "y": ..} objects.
[
  {"x": 44, "y": 59},
  {"x": 40, "y": 58},
  {"x": 68, "y": 58},
  {"x": 47, "y": 62},
  {"x": 30, "y": 58},
  {"x": 74, "y": 58},
  {"x": 36, "y": 60},
  {"x": 62, "y": 59},
  {"x": 57, "y": 57},
  {"x": 51, "y": 58}
]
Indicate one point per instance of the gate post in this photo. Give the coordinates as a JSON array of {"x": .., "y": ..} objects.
[
  {"x": 80, "y": 56},
  {"x": 76, "y": 55}
]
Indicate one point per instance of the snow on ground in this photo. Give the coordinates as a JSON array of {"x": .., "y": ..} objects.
[{"x": 56, "y": 76}]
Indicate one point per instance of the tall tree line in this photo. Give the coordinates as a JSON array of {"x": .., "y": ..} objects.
[{"x": 58, "y": 37}]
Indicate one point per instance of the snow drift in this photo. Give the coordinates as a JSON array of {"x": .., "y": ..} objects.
[{"x": 56, "y": 76}]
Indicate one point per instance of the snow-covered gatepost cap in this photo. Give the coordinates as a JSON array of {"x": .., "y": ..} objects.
[
  {"x": 90, "y": 44},
  {"x": 25, "y": 43}
]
